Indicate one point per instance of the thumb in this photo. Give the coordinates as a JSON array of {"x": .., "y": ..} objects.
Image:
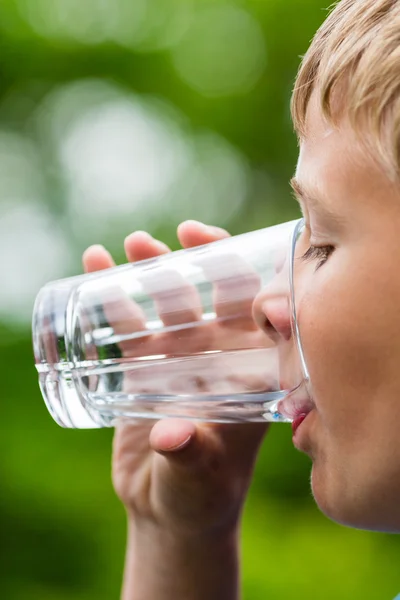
[{"x": 182, "y": 442}]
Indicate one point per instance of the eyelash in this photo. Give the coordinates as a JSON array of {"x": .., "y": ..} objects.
[{"x": 318, "y": 252}]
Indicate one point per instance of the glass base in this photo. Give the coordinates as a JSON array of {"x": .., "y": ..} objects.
[{"x": 73, "y": 405}]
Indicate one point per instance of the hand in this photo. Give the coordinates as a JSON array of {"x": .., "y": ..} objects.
[{"x": 186, "y": 477}]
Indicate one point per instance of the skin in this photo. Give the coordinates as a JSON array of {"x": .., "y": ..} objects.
[
  {"x": 150, "y": 460},
  {"x": 184, "y": 484},
  {"x": 349, "y": 316}
]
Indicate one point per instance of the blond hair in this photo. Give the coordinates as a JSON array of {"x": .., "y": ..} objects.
[{"x": 353, "y": 63}]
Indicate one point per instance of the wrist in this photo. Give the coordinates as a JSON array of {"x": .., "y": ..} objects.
[
  {"x": 145, "y": 533},
  {"x": 162, "y": 563}
]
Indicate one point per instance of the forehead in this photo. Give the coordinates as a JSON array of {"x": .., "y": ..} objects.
[
  {"x": 325, "y": 149},
  {"x": 335, "y": 164}
]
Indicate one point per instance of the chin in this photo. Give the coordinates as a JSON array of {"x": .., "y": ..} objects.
[
  {"x": 337, "y": 502},
  {"x": 344, "y": 504},
  {"x": 322, "y": 497}
]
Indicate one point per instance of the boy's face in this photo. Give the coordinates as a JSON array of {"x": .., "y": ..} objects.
[{"x": 349, "y": 319}]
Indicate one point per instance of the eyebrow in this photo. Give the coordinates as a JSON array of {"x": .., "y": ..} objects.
[{"x": 312, "y": 201}]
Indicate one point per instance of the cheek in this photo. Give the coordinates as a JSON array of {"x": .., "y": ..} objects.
[
  {"x": 346, "y": 332},
  {"x": 352, "y": 356}
]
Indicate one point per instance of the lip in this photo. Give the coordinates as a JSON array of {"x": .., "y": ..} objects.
[
  {"x": 296, "y": 407},
  {"x": 300, "y": 437},
  {"x": 298, "y": 421}
]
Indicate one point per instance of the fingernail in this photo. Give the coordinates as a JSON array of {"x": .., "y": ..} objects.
[
  {"x": 180, "y": 446},
  {"x": 199, "y": 224},
  {"x": 217, "y": 230},
  {"x": 148, "y": 237},
  {"x": 160, "y": 245},
  {"x": 203, "y": 226},
  {"x": 96, "y": 247},
  {"x": 210, "y": 228}
]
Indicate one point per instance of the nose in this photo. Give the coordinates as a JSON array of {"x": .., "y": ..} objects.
[{"x": 271, "y": 307}]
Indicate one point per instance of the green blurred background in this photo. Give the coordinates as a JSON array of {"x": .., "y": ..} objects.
[{"x": 118, "y": 115}]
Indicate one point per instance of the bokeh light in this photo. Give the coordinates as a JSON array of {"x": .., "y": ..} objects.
[
  {"x": 34, "y": 251},
  {"x": 130, "y": 159},
  {"x": 120, "y": 159},
  {"x": 223, "y": 52},
  {"x": 21, "y": 178},
  {"x": 124, "y": 161},
  {"x": 89, "y": 22},
  {"x": 32, "y": 245},
  {"x": 147, "y": 25}
]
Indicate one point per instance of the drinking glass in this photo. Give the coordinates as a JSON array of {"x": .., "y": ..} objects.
[{"x": 186, "y": 334}]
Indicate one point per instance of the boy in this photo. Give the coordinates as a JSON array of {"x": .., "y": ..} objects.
[{"x": 184, "y": 484}]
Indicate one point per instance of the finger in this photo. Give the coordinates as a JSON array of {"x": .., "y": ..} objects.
[
  {"x": 235, "y": 282},
  {"x": 177, "y": 301},
  {"x": 124, "y": 316},
  {"x": 171, "y": 435},
  {"x": 235, "y": 291},
  {"x": 203, "y": 447},
  {"x": 97, "y": 258},
  {"x": 140, "y": 245},
  {"x": 195, "y": 233},
  {"x": 242, "y": 440},
  {"x": 180, "y": 302},
  {"x": 235, "y": 285},
  {"x": 186, "y": 445}
]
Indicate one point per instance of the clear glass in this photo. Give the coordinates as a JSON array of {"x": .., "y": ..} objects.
[
  {"x": 180, "y": 335},
  {"x": 303, "y": 264}
]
